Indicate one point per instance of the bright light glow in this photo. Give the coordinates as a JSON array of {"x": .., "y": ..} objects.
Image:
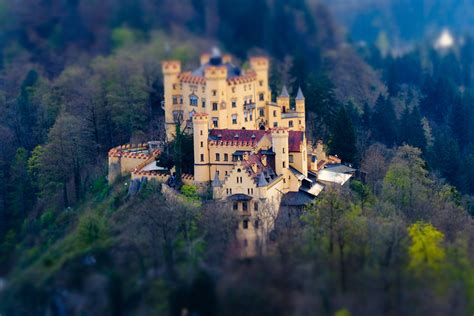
[{"x": 445, "y": 40}]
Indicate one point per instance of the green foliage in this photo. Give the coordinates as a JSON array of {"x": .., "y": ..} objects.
[
  {"x": 426, "y": 250},
  {"x": 91, "y": 231},
  {"x": 123, "y": 36},
  {"x": 190, "y": 192}
]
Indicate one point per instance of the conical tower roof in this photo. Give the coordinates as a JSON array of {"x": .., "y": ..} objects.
[
  {"x": 299, "y": 95},
  {"x": 284, "y": 92}
]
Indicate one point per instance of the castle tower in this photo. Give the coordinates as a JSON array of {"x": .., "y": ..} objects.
[
  {"x": 261, "y": 66},
  {"x": 280, "y": 147},
  {"x": 216, "y": 84},
  {"x": 283, "y": 100},
  {"x": 171, "y": 70},
  {"x": 201, "y": 149},
  {"x": 299, "y": 101}
]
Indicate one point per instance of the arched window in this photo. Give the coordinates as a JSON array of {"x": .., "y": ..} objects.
[{"x": 193, "y": 100}]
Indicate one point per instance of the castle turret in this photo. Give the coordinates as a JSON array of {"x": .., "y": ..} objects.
[
  {"x": 283, "y": 100},
  {"x": 280, "y": 147},
  {"x": 171, "y": 70},
  {"x": 299, "y": 101},
  {"x": 201, "y": 149}
]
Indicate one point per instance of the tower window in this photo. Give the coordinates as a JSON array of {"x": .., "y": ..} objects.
[
  {"x": 214, "y": 106},
  {"x": 226, "y": 157},
  {"x": 261, "y": 97},
  {"x": 202, "y": 157},
  {"x": 245, "y": 224},
  {"x": 274, "y": 113},
  {"x": 290, "y": 124},
  {"x": 202, "y": 144},
  {"x": 215, "y": 122},
  {"x": 284, "y": 164},
  {"x": 256, "y": 223},
  {"x": 218, "y": 157},
  {"x": 260, "y": 83},
  {"x": 291, "y": 158},
  {"x": 174, "y": 86},
  {"x": 193, "y": 100},
  {"x": 214, "y": 92},
  {"x": 175, "y": 99},
  {"x": 261, "y": 112},
  {"x": 200, "y": 132},
  {"x": 203, "y": 103},
  {"x": 234, "y": 118},
  {"x": 283, "y": 150},
  {"x": 234, "y": 103}
]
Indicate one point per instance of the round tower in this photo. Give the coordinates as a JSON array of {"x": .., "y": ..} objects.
[
  {"x": 201, "y": 149},
  {"x": 280, "y": 148}
]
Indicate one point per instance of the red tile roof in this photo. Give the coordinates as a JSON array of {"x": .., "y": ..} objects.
[{"x": 245, "y": 135}]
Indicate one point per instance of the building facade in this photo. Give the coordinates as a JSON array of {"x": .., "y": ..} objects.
[
  {"x": 248, "y": 150},
  {"x": 232, "y": 97}
]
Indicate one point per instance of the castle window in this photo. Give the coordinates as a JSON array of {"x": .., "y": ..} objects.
[
  {"x": 201, "y": 132},
  {"x": 226, "y": 173},
  {"x": 284, "y": 164},
  {"x": 215, "y": 122},
  {"x": 175, "y": 99},
  {"x": 202, "y": 157},
  {"x": 230, "y": 190},
  {"x": 245, "y": 224},
  {"x": 234, "y": 118},
  {"x": 218, "y": 157},
  {"x": 203, "y": 103},
  {"x": 261, "y": 112},
  {"x": 260, "y": 83},
  {"x": 275, "y": 124},
  {"x": 174, "y": 86},
  {"x": 226, "y": 158},
  {"x": 235, "y": 206},
  {"x": 214, "y": 92},
  {"x": 202, "y": 144},
  {"x": 291, "y": 159},
  {"x": 261, "y": 97},
  {"x": 299, "y": 122},
  {"x": 274, "y": 113},
  {"x": 251, "y": 117},
  {"x": 234, "y": 103},
  {"x": 290, "y": 124},
  {"x": 283, "y": 150},
  {"x": 214, "y": 106},
  {"x": 245, "y": 207},
  {"x": 256, "y": 223},
  {"x": 233, "y": 89},
  {"x": 238, "y": 170},
  {"x": 180, "y": 100},
  {"x": 255, "y": 206}
]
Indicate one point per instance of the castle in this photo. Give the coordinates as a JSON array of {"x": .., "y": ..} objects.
[{"x": 248, "y": 150}]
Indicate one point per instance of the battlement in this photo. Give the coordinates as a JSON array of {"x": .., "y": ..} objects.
[
  {"x": 249, "y": 76},
  {"x": 259, "y": 63},
  {"x": 280, "y": 131},
  {"x": 200, "y": 117},
  {"x": 215, "y": 72},
  {"x": 171, "y": 67}
]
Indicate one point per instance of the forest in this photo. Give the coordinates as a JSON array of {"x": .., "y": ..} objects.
[{"x": 80, "y": 77}]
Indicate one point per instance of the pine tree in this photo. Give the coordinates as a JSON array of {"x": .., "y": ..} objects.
[
  {"x": 343, "y": 137},
  {"x": 384, "y": 122}
]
